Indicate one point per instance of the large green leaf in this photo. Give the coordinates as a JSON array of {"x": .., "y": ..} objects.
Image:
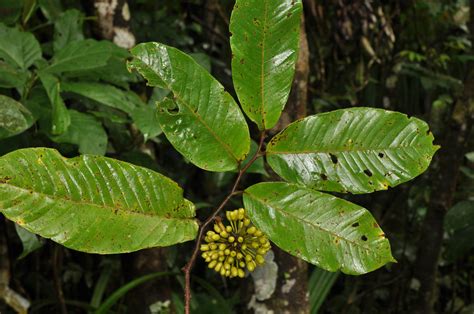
[
  {"x": 322, "y": 229},
  {"x": 80, "y": 55},
  {"x": 86, "y": 132},
  {"x": 93, "y": 204},
  {"x": 202, "y": 121},
  {"x": 264, "y": 42},
  {"x": 60, "y": 119},
  {"x": 357, "y": 150},
  {"x": 18, "y": 48},
  {"x": 14, "y": 117}
]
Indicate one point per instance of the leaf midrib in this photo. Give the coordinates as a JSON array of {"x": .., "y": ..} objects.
[
  {"x": 371, "y": 149},
  {"x": 85, "y": 203},
  {"x": 262, "y": 67}
]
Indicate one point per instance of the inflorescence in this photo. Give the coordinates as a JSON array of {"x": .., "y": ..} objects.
[{"x": 232, "y": 249}]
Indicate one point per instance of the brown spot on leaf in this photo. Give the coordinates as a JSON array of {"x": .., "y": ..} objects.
[{"x": 5, "y": 179}]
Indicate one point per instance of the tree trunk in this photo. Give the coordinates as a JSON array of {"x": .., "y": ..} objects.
[{"x": 113, "y": 19}]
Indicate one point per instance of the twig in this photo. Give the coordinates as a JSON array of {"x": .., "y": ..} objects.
[{"x": 189, "y": 266}]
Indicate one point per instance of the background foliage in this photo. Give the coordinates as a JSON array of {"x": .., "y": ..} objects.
[{"x": 71, "y": 91}]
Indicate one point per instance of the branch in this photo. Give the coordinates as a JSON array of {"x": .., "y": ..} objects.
[{"x": 189, "y": 266}]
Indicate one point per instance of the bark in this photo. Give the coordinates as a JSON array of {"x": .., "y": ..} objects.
[
  {"x": 444, "y": 177},
  {"x": 291, "y": 293},
  {"x": 298, "y": 99},
  {"x": 113, "y": 21}
]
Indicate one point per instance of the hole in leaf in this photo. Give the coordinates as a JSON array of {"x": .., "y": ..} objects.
[
  {"x": 333, "y": 158},
  {"x": 173, "y": 111},
  {"x": 363, "y": 238},
  {"x": 381, "y": 155},
  {"x": 368, "y": 172},
  {"x": 355, "y": 224}
]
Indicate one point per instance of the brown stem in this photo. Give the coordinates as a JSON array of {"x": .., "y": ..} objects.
[{"x": 189, "y": 266}]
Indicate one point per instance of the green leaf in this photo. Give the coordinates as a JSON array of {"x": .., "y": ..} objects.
[
  {"x": 68, "y": 28},
  {"x": 92, "y": 203},
  {"x": 86, "y": 132},
  {"x": 14, "y": 117},
  {"x": 12, "y": 77},
  {"x": 202, "y": 121},
  {"x": 356, "y": 150},
  {"x": 264, "y": 42},
  {"x": 29, "y": 241},
  {"x": 18, "y": 48},
  {"x": 80, "y": 55},
  {"x": 459, "y": 223},
  {"x": 60, "y": 115},
  {"x": 322, "y": 229},
  {"x": 115, "y": 72},
  {"x": 105, "y": 94},
  {"x": 146, "y": 119}
]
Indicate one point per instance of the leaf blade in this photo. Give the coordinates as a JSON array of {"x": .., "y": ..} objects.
[
  {"x": 93, "y": 204},
  {"x": 60, "y": 116},
  {"x": 203, "y": 123},
  {"x": 263, "y": 67},
  {"x": 322, "y": 229},
  {"x": 80, "y": 55},
  {"x": 357, "y": 150},
  {"x": 18, "y": 48},
  {"x": 85, "y": 132}
]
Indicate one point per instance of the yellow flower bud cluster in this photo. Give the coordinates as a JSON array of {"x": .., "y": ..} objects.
[{"x": 230, "y": 250}]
